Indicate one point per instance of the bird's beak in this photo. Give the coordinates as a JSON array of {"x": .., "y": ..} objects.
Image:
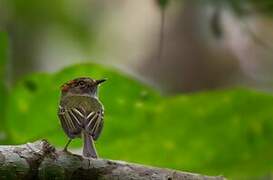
[{"x": 100, "y": 81}]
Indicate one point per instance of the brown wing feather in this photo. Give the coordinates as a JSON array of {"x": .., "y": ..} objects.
[
  {"x": 98, "y": 130},
  {"x": 81, "y": 113},
  {"x": 69, "y": 123},
  {"x": 94, "y": 125}
]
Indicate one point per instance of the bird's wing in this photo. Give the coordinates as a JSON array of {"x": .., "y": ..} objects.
[
  {"x": 70, "y": 121},
  {"x": 94, "y": 124}
]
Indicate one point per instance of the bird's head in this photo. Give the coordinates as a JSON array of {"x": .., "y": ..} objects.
[{"x": 82, "y": 86}]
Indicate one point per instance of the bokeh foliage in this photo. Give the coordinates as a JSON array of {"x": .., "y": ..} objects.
[
  {"x": 222, "y": 132},
  {"x": 36, "y": 15},
  {"x": 163, "y": 3},
  {"x": 3, "y": 54},
  {"x": 3, "y": 88},
  {"x": 242, "y": 7}
]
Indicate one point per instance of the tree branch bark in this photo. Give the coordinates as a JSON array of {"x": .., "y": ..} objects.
[{"x": 40, "y": 160}]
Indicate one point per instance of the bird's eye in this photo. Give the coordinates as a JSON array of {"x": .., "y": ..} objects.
[{"x": 81, "y": 83}]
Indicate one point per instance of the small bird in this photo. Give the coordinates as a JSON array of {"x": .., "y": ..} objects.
[{"x": 81, "y": 113}]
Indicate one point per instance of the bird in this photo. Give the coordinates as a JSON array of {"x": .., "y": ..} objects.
[{"x": 81, "y": 113}]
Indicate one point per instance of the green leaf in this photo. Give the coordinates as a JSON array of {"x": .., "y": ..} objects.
[{"x": 220, "y": 132}]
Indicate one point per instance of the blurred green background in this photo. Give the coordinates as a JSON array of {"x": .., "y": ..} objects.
[{"x": 204, "y": 107}]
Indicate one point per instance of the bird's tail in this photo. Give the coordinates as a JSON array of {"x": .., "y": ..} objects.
[{"x": 89, "y": 149}]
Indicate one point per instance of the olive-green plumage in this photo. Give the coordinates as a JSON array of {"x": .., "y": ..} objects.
[
  {"x": 90, "y": 103},
  {"x": 81, "y": 112}
]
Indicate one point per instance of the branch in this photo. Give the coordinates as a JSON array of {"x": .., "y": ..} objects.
[{"x": 40, "y": 160}]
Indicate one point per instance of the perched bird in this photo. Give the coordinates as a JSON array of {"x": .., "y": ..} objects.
[{"x": 81, "y": 112}]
